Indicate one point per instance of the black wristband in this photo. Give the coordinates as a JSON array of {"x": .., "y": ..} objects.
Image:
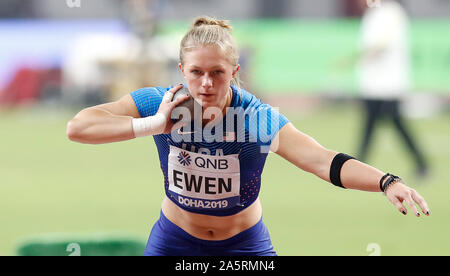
[
  {"x": 336, "y": 166},
  {"x": 392, "y": 179},
  {"x": 382, "y": 179}
]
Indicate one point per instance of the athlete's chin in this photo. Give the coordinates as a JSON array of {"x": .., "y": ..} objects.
[
  {"x": 211, "y": 98},
  {"x": 207, "y": 103}
]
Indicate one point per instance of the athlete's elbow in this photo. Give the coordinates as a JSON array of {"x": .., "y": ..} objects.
[
  {"x": 74, "y": 130},
  {"x": 320, "y": 164},
  {"x": 322, "y": 169}
]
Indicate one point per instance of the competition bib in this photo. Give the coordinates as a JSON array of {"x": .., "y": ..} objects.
[{"x": 204, "y": 181}]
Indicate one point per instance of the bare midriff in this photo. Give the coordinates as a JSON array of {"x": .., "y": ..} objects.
[{"x": 208, "y": 227}]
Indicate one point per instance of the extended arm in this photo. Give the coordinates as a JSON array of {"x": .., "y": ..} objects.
[
  {"x": 120, "y": 121},
  {"x": 304, "y": 152},
  {"x": 105, "y": 123}
]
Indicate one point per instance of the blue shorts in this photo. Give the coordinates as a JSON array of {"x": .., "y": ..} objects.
[{"x": 167, "y": 239}]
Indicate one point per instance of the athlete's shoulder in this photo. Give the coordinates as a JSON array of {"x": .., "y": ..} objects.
[
  {"x": 245, "y": 99},
  {"x": 149, "y": 92},
  {"x": 262, "y": 121},
  {"x": 249, "y": 102},
  {"x": 148, "y": 99}
]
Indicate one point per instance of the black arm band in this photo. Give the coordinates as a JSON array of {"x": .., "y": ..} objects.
[{"x": 336, "y": 166}]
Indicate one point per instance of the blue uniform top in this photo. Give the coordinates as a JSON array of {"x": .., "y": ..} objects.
[{"x": 215, "y": 170}]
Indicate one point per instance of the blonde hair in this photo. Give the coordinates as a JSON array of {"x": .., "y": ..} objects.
[{"x": 207, "y": 31}]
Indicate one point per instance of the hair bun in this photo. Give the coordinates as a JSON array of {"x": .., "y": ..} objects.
[{"x": 206, "y": 20}]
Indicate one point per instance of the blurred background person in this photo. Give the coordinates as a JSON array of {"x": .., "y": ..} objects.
[{"x": 384, "y": 73}]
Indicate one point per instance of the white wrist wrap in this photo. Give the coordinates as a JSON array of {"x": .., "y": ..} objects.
[{"x": 152, "y": 125}]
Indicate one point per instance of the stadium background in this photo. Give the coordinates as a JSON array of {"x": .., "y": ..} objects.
[{"x": 56, "y": 58}]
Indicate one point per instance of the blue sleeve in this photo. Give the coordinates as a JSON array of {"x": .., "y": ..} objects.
[
  {"x": 263, "y": 121},
  {"x": 148, "y": 99}
]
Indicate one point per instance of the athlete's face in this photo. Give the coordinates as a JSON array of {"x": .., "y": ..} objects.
[{"x": 208, "y": 74}]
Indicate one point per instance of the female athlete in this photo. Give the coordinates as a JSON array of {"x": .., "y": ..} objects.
[{"x": 212, "y": 167}]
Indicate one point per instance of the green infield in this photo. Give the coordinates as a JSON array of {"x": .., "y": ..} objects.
[{"x": 50, "y": 185}]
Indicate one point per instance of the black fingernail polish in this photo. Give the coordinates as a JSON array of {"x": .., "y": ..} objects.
[
  {"x": 403, "y": 212},
  {"x": 428, "y": 213},
  {"x": 418, "y": 214}
]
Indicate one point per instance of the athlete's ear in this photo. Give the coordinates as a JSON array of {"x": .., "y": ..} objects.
[
  {"x": 180, "y": 66},
  {"x": 236, "y": 70}
]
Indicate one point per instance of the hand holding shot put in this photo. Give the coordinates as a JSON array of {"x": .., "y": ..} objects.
[{"x": 162, "y": 122}]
